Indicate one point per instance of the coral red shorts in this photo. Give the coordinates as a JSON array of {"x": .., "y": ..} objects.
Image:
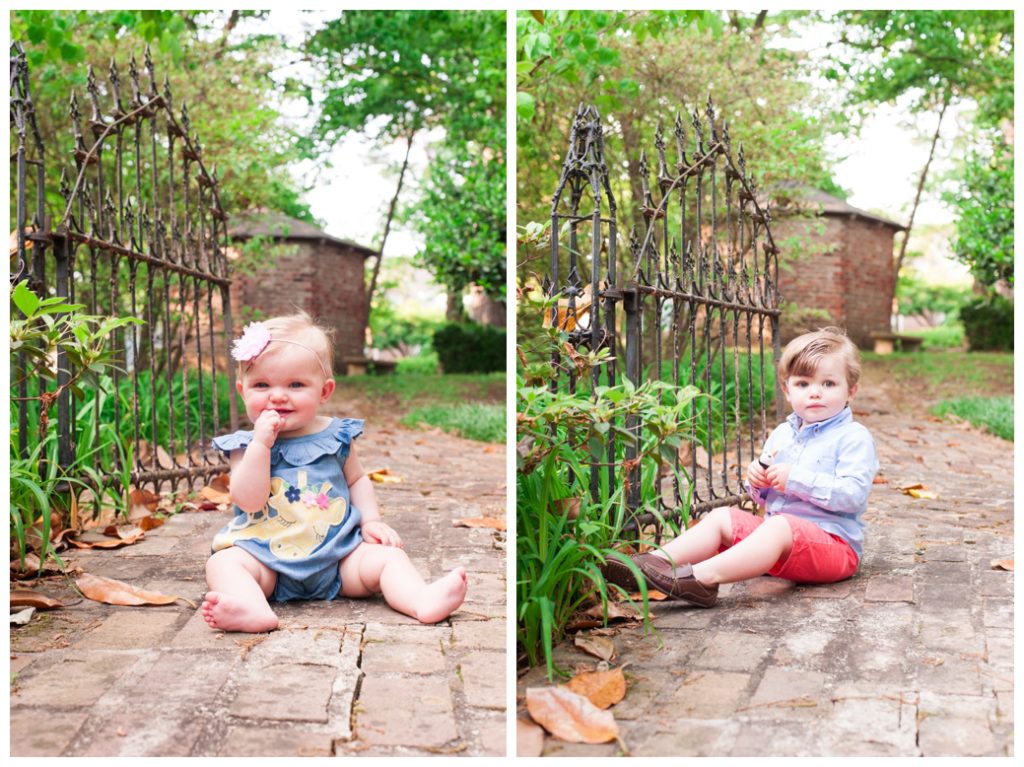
[{"x": 816, "y": 556}]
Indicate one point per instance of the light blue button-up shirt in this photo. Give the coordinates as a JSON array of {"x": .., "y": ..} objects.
[{"x": 833, "y": 465}]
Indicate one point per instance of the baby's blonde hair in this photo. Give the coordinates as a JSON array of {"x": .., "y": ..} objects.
[
  {"x": 300, "y": 328},
  {"x": 803, "y": 354}
]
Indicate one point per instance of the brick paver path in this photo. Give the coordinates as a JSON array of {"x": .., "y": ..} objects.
[
  {"x": 911, "y": 657},
  {"x": 345, "y": 677}
]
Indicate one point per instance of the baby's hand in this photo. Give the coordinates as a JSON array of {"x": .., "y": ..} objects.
[
  {"x": 757, "y": 476},
  {"x": 778, "y": 474},
  {"x": 267, "y": 425},
  {"x": 378, "y": 532}
]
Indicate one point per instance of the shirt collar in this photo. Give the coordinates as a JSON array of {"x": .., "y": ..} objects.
[{"x": 844, "y": 415}]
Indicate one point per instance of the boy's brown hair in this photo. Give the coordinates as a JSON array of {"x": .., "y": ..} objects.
[{"x": 803, "y": 354}]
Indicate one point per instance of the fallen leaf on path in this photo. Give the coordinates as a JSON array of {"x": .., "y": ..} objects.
[
  {"x": 111, "y": 538},
  {"x": 29, "y": 598},
  {"x": 31, "y": 569},
  {"x": 491, "y": 522},
  {"x": 383, "y": 476},
  {"x": 150, "y": 522},
  {"x": 917, "y": 490},
  {"x": 879, "y": 481},
  {"x": 218, "y": 491},
  {"x": 653, "y": 595},
  {"x": 22, "y": 617},
  {"x": 111, "y": 592},
  {"x": 1002, "y": 564},
  {"x": 529, "y": 738},
  {"x": 602, "y": 688},
  {"x": 616, "y": 612},
  {"x": 599, "y": 647},
  {"x": 569, "y": 716},
  {"x": 142, "y": 503}
]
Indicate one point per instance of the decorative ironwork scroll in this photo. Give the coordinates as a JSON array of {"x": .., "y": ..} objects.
[
  {"x": 696, "y": 301},
  {"x": 136, "y": 228}
]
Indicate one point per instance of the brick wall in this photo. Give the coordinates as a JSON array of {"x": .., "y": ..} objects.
[
  {"x": 851, "y": 280},
  {"x": 322, "y": 278}
]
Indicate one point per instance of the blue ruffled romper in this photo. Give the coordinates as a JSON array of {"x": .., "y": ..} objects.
[{"x": 308, "y": 525}]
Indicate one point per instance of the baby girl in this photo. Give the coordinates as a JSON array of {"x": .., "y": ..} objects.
[{"x": 306, "y": 523}]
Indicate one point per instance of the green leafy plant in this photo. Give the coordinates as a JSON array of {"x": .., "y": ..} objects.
[
  {"x": 41, "y": 327},
  {"x": 565, "y": 532}
]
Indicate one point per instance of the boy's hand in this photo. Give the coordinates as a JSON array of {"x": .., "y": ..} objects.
[
  {"x": 267, "y": 425},
  {"x": 757, "y": 476},
  {"x": 378, "y": 532},
  {"x": 778, "y": 473}
]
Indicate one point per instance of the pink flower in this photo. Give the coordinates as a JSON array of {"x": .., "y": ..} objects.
[
  {"x": 253, "y": 341},
  {"x": 323, "y": 501},
  {"x": 309, "y": 498}
]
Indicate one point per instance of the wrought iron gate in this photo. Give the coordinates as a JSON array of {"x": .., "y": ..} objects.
[
  {"x": 134, "y": 228},
  {"x": 697, "y": 303}
]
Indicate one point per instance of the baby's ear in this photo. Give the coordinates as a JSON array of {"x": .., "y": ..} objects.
[
  {"x": 327, "y": 390},
  {"x": 853, "y": 391}
]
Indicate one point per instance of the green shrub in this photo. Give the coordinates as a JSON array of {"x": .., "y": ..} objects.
[
  {"x": 988, "y": 323},
  {"x": 424, "y": 363},
  {"x": 470, "y": 348}
]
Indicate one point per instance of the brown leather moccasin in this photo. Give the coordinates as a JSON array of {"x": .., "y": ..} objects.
[
  {"x": 678, "y": 582},
  {"x": 615, "y": 571}
]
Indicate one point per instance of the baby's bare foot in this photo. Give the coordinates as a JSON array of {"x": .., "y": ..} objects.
[
  {"x": 229, "y": 613},
  {"x": 443, "y": 597}
]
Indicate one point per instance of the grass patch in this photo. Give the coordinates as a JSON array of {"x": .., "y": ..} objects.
[
  {"x": 942, "y": 337},
  {"x": 946, "y": 374},
  {"x": 477, "y": 421},
  {"x": 995, "y": 414}
]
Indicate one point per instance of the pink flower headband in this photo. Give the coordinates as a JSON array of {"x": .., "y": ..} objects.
[{"x": 255, "y": 339}]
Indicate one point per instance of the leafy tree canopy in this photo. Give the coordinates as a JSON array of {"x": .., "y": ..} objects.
[
  {"x": 984, "y": 239},
  {"x": 934, "y": 55},
  {"x": 249, "y": 143},
  {"x": 396, "y": 74},
  {"x": 639, "y": 69}
]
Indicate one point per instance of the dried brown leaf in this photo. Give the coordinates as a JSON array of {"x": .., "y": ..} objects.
[
  {"x": 111, "y": 592},
  {"x": 29, "y": 598},
  {"x": 218, "y": 491},
  {"x": 599, "y": 647},
  {"x": 569, "y": 716},
  {"x": 491, "y": 522},
  {"x": 602, "y": 688},
  {"x": 1002, "y": 564},
  {"x": 383, "y": 476},
  {"x": 529, "y": 738}
]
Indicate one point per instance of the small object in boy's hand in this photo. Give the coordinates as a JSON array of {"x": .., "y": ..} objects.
[{"x": 765, "y": 459}]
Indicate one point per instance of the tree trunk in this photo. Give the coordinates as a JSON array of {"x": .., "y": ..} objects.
[
  {"x": 387, "y": 227},
  {"x": 453, "y": 311},
  {"x": 920, "y": 188}
]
